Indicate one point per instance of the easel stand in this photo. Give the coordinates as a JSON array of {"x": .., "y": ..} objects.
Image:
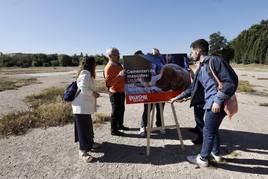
[{"x": 163, "y": 127}]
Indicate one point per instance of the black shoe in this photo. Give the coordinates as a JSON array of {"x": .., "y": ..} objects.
[
  {"x": 123, "y": 128},
  {"x": 197, "y": 141},
  {"x": 117, "y": 133}
]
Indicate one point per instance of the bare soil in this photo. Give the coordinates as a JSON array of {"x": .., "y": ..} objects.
[{"x": 52, "y": 153}]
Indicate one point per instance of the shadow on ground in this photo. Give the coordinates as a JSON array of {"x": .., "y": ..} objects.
[
  {"x": 171, "y": 134},
  {"x": 232, "y": 141}
]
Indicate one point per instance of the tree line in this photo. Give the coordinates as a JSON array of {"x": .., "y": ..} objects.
[
  {"x": 45, "y": 60},
  {"x": 250, "y": 46}
]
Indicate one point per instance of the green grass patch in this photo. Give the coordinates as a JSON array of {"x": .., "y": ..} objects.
[
  {"x": 245, "y": 86},
  {"x": 13, "y": 84}
]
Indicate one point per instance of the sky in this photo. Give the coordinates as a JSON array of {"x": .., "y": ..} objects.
[{"x": 92, "y": 26}]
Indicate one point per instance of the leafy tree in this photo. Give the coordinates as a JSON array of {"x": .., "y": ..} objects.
[
  {"x": 101, "y": 59},
  {"x": 75, "y": 60},
  {"x": 251, "y": 45},
  {"x": 65, "y": 60},
  {"x": 217, "y": 43}
]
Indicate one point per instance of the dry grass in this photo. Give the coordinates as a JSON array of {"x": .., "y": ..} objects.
[
  {"x": 245, "y": 86},
  {"x": 262, "y": 78},
  {"x": 263, "y": 104},
  {"x": 100, "y": 117},
  {"x": 18, "y": 70},
  {"x": 17, "y": 123},
  {"x": 101, "y": 86},
  {"x": 234, "y": 154},
  {"x": 13, "y": 84},
  {"x": 45, "y": 109},
  {"x": 45, "y": 97},
  {"x": 250, "y": 67}
]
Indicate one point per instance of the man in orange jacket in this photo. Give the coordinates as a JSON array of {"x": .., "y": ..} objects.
[{"x": 114, "y": 79}]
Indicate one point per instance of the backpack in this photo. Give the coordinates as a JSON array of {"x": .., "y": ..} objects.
[
  {"x": 230, "y": 105},
  {"x": 71, "y": 92}
]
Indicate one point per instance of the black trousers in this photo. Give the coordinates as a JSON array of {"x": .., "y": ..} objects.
[
  {"x": 118, "y": 108},
  {"x": 83, "y": 131},
  {"x": 158, "y": 115}
]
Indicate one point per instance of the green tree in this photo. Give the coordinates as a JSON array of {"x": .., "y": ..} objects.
[
  {"x": 75, "y": 60},
  {"x": 101, "y": 59},
  {"x": 65, "y": 60},
  {"x": 217, "y": 43},
  {"x": 251, "y": 45}
]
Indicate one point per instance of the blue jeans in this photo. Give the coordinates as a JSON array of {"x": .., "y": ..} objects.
[{"x": 211, "y": 138}]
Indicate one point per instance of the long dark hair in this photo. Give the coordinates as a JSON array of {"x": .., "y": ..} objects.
[{"x": 89, "y": 64}]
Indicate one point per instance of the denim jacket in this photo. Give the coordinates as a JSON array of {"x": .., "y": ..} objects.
[{"x": 204, "y": 89}]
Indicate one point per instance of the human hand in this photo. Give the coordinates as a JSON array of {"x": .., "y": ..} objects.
[
  {"x": 121, "y": 73},
  {"x": 215, "y": 108},
  {"x": 96, "y": 95},
  {"x": 172, "y": 100}
]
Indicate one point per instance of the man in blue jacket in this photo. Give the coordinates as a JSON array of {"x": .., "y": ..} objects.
[{"x": 205, "y": 91}]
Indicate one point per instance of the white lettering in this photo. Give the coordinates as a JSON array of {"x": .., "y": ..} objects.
[{"x": 138, "y": 98}]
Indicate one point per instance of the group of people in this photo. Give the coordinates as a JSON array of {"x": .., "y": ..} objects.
[{"x": 206, "y": 99}]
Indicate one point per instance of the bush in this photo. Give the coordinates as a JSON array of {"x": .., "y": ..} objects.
[
  {"x": 65, "y": 60},
  {"x": 37, "y": 63},
  {"x": 54, "y": 114},
  {"x": 17, "y": 123},
  {"x": 245, "y": 86},
  {"x": 46, "y": 64},
  {"x": 55, "y": 63}
]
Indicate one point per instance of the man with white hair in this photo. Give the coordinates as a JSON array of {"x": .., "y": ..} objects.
[{"x": 114, "y": 79}]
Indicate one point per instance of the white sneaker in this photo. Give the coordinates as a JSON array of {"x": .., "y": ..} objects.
[
  {"x": 217, "y": 158},
  {"x": 162, "y": 131},
  {"x": 142, "y": 131},
  {"x": 84, "y": 156},
  {"x": 196, "y": 159}
]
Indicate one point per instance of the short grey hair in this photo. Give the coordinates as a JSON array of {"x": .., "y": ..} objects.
[
  {"x": 155, "y": 51},
  {"x": 112, "y": 50}
]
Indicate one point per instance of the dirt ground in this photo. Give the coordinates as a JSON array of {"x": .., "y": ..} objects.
[{"x": 52, "y": 153}]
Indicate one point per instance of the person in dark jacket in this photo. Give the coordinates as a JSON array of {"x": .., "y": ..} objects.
[
  {"x": 198, "y": 114},
  {"x": 205, "y": 91},
  {"x": 157, "y": 67}
]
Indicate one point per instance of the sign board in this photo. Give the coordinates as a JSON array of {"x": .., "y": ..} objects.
[{"x": 145, "y": 81}]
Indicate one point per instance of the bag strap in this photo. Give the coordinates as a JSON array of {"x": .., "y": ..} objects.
[{"x": 220, "y": 85}]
